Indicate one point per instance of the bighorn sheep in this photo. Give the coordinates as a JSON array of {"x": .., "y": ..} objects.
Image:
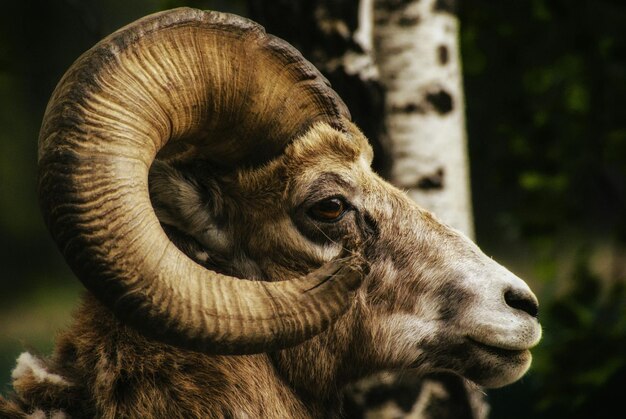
[{"x": 190, "y": 150}]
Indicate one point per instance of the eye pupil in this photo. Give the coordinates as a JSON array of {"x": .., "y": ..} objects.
[
  {"x": 330, "y": 205},
  {"x": 328, "y": 209}
]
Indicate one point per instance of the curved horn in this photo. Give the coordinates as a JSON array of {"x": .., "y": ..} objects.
[{"x": 204, "y": 83}]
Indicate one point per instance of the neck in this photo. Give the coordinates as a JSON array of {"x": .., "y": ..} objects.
[
  {"x": 101, "y": 353},
  {"x": 320, "y": 368}
]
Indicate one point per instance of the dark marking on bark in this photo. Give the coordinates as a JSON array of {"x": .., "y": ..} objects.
[
  {"x": 398, "y": 49},
  {"x": 381, "y": 20},
  {"x": 411, "y": 107},
  {"x": 391, "y": 5},
  {"x": 441, "y": 101},
  {"x": 402, "y": 154},
  {"x": 445, "y": 6},
  {"x": 432, "y": 181},
  {"x": 443, "y": 55},
  {"x": 409, "y": 20}
]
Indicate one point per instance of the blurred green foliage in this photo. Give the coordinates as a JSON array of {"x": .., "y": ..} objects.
[
  {"x": 545, "y": 85},
  {"x": 582, "y": 360},
  {"x": 545, "y": 88}
]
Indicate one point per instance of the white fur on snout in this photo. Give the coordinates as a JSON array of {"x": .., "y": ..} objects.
[{"x": 490, "y": 320}]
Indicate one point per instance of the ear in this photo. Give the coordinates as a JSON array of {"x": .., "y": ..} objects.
[{"x": 181, "y": 202}]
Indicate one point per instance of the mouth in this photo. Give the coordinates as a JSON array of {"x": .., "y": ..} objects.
[{"x": 497, "y": 351}]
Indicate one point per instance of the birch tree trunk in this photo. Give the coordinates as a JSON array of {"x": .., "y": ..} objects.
[
  {"x": 396, "y": 65},
  {"x": 417, "y": 55}
]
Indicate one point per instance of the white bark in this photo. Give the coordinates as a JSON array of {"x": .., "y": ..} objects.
[
  {"x": 363, "y": 35},
  {"x": 417, "y": 54}
]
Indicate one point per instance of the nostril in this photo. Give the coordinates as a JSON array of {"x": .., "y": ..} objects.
[{"x": 521, "y": 301}]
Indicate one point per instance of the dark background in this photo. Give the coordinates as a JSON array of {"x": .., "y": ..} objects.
[{"x": 545, "y": 84}]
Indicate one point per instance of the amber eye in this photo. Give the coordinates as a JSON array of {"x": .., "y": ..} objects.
[{"x": 328, "y": 210}]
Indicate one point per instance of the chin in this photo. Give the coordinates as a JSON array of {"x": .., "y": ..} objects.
[{"x": 495, "y": 368}]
